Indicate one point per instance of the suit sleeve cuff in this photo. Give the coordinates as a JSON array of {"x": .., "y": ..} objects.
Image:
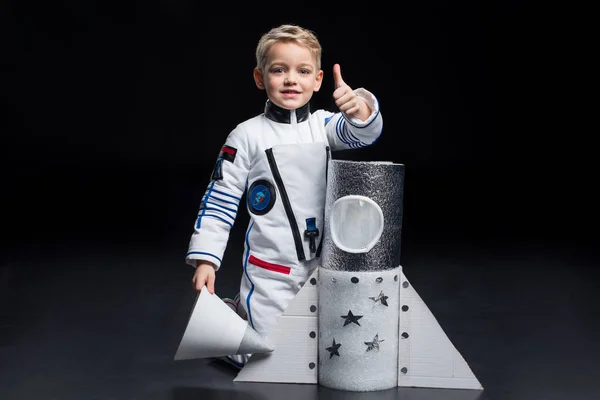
[
  {"x": 373, "y": 104},
  {"x": 192, "y": 257}
]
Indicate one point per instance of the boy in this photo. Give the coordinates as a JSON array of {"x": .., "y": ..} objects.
[{"x": 279, "y": 160}]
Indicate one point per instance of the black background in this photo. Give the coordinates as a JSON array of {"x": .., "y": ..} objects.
[{"x": 113, "y": 118}]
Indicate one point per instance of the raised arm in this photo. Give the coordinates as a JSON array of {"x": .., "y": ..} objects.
[{"x": 358, "y": 122}]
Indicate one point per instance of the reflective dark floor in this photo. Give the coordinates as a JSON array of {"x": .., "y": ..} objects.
[
  {"x": 99, "y": 315},
  {"x": 89, "y": 325}
]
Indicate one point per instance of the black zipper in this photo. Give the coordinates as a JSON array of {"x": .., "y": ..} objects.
[
  {"x": 326, "y": 172},
  {"x": 286, "y": 205}
]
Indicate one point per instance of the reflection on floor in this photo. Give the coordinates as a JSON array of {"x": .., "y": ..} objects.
[{"x": 85, "y": 322}]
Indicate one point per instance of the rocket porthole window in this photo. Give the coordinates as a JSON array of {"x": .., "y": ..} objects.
[{"x": 355, "y": 223}]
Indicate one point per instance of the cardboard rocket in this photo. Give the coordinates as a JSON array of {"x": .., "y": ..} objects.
[
  {"x": 356, "y": 314},
  {"x": 359, "y": 312}
]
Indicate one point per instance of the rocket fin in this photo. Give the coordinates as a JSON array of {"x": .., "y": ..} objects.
[
  {"x": 426, "y": 356},
  {"x": 295, "y": 338}
]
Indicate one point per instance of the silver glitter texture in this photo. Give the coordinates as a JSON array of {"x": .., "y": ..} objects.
[{"x": 382, "y": 182}]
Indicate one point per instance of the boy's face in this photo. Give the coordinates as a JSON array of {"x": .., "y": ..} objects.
[{"x": 290, "y": 77}]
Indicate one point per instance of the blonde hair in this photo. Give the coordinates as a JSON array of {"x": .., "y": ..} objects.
[{"x": 287, "y": 33}]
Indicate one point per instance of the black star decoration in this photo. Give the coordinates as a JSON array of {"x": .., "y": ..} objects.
[
  {"x": 351, "y": 318},
  {"x": 382, "y": 298},
  {"x": 374, "y": 344},
  {"x": 333, "y": 350}
]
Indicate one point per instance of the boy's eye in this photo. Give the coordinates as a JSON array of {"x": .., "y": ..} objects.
[
  {"x": 277, "y": 70},
  {"x": 305, "y": 71}
]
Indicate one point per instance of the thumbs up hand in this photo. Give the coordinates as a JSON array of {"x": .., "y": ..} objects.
[{"x": 345, "y": 98}]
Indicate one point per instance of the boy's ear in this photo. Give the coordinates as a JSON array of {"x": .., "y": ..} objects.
[
  {"x": 318, "y": 81},
  {"x": 258, "y": 79}
]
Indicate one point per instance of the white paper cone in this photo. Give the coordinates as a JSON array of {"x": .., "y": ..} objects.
[{"x": 215, "y": 330}]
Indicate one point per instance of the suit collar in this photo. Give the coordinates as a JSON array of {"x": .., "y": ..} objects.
[{"x": 283, "y": 116}]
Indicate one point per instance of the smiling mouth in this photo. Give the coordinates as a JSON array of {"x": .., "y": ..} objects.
[{"x": 290, "y": 92}]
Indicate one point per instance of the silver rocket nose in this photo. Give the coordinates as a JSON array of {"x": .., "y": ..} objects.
[{"x": 363, "y": 216}]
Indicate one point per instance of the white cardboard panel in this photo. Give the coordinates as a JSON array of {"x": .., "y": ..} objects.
[
  {"x": 295, "y": 349},
  {"x": 295, "y": 352},
  {"x": 306, "y": 297},
  {"x": 430, "y": 358}
]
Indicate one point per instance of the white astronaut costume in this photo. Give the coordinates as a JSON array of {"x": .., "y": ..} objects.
[{"x": 279, "y": 160}]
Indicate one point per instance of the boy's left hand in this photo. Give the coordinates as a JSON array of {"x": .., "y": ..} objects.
[{"x": 345, "y": 98}]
